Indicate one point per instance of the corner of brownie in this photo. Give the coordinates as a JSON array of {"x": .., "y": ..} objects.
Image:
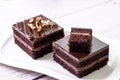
[{"x": 80, "y": 39}]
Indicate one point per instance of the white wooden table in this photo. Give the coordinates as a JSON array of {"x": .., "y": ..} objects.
[{"x": 103, "y": 16}]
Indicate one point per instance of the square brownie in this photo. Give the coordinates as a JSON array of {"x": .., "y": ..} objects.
[
  {"x": 81, "y": 64},
  {"x": 35, "y": 35},
  {"x": 80, "y": 40}
]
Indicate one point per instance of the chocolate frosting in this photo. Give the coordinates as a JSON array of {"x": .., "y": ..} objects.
[
  {"x": 98, "y": 47},
  {"x": 34, "y": 32}
]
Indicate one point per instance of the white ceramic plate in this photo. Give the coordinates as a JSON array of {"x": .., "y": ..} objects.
[{"x": 12, "y": 55}]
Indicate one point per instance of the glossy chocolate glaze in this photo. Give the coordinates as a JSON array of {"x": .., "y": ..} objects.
[
  {"x": 97, "y": 47},
  {"x": 81, "y": 30},
  {"x": 34, "y": 35}
]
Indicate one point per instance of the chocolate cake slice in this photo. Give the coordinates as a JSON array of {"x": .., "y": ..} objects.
[
  {"x": 81, "y": 64},
  {"x": 35, "y": 35},
  {"x": 80, "y": 40}
]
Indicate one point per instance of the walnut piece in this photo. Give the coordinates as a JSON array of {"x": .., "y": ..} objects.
[
  {"x": 45, "y": 23},
  {"x": 39, "y": 28},
  {"x": 31, "y": 26},
  {"x": 31, "y": 20}
]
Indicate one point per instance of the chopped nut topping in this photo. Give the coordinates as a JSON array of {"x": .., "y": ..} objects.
[
  {"x": 46, "y": 22},
  {"x": 31, "y": 26},
  {"x": 38, "y": 19},
  {"x": 39, "y": 28},
  {"x": 38, "y": 23},
  {"x": 31, "y": 20}
]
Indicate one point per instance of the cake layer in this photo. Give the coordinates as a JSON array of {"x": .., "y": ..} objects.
[
  {"x": 81, "y": 71},
  {"x": 34, "y": 54},
  {"x": 79, "y": 47},
  {"x": 29, "y": 47},
  {"x": 98, "y": 50}
]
